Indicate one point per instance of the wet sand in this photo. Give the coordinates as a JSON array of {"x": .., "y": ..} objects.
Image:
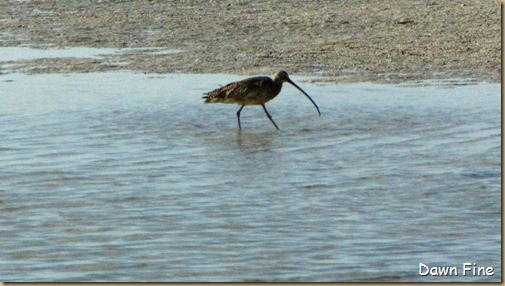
[{"x": 381, "y": 41}]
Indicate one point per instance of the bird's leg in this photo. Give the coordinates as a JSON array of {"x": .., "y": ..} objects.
[
  {"x": 238, "y": 116},
  {"x": 269, "y": 116}
]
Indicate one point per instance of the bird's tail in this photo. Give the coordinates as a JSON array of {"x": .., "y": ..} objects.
[{"x": 209, "y": 98}]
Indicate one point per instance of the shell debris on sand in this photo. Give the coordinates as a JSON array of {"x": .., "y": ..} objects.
[{"x": 389, "y": 41}]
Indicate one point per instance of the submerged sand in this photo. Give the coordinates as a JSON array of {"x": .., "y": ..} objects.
[{"x": 346, "y": 40}]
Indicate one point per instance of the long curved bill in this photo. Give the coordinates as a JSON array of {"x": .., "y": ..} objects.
[{"x": 294, "y": 84}]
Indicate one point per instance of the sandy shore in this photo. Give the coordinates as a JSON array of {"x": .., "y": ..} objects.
[{"x": 346, "y": 40}]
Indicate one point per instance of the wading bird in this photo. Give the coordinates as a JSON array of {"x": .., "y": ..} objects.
[{"x": 253, "y": 91}]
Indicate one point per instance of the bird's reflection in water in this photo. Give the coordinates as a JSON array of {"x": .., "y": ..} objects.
[{"x": 256, "y": 142}]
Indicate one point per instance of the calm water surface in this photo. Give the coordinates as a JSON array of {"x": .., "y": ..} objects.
[{"x": 129, "y": 177}]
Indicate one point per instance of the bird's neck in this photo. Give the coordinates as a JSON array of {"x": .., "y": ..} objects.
[
  {"x": 277, "y": 81},
  {"x": 276, "y": 88}
]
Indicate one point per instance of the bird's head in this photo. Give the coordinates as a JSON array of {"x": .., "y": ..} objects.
[{"x": 281, "y": 76}]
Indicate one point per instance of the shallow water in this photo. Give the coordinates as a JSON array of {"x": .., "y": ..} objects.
[
  {"x": 15, "y": 54},
  {"x": 129, "y": 177}
]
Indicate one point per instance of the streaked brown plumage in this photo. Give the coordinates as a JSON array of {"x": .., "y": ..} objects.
[{"x": 253, "y": 91}]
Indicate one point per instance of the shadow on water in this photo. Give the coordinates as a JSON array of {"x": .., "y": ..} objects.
[
  {"x": 234, "y": 145},
  {"x": 257, "y": 142}
]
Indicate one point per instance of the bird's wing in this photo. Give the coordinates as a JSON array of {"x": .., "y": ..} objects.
[
  {"x": 246, "y": 88},
  {"x": 239, "y": 90}
]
